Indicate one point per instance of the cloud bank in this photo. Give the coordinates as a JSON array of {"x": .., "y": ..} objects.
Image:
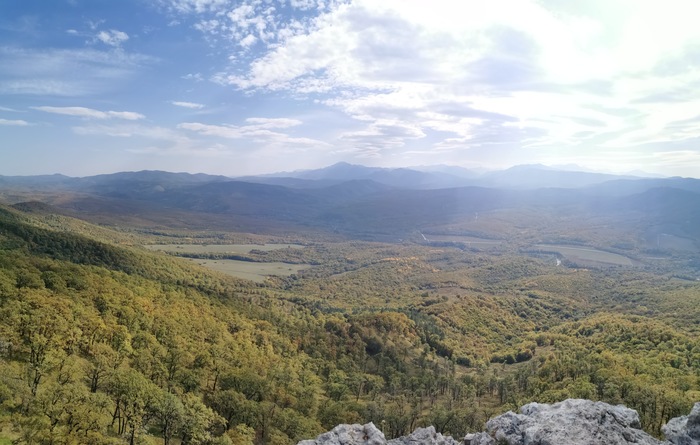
[{"x": 544, "y": 76}]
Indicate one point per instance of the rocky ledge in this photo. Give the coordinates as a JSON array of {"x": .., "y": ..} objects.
[{"x": 571, "y": 422}]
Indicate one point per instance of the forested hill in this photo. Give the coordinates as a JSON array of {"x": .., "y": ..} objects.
[
  {"x": 103, "y": 343},
  {"x": 100, "y": 344},
  {"x": 372, "y": 204}
]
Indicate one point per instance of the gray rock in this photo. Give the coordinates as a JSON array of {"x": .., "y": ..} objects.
[
  {"x": 572, "y": 421},
  {"x": 369, "y": 435},
  {"x": 424, "y": 436},
  {"x": 478, "y": 439},
  {"x": 349, "y": 435},
  {"x": 684, "y": 430}
]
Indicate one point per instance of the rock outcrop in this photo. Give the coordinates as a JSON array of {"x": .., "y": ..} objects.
[
  {"x": 424, "y": 436},
  {"x": 571, "y": 422},
  {"x": 349, "y": 435},
  {"x": 684, "y": 430},
  {"x": 369, "y": 435}
]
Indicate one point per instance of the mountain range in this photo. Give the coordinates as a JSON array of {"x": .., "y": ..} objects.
[
  {"x": 441, "y": 176},
  {"x": 376, "y": 203},
  {"x": 507, "y": 287}
]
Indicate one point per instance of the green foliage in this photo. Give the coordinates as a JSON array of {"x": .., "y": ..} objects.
[{"x": 105, "y": 344}]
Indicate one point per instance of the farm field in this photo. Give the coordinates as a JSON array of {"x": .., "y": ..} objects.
[
  {"x": 671, "y": 242},
  {"x": 219, "y": 248},
  {"x": 586, "y": 255},
  {"x": 249, "y": 270},
  {"x": 471, "y": 241}
]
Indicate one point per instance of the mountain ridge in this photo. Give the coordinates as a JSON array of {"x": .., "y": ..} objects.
[
  {"x": 374, "y": 202},
  {"x": 426, "y": 177}
]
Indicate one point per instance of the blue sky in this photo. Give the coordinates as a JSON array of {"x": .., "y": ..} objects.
[{"x": 255, "y": 86}]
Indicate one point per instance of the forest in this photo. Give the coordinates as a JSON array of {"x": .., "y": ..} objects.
[
  {"x": 246, "y": 222},
  {"x": 103, "y": 341}
]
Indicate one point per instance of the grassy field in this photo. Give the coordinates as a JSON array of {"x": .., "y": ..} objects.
[
  {"x": 219, "y": 248},
  {"x": 470, "y": 241},
  {"x": 586, "y": 255},
  {"x": 672, "y": 242},
  {"x": 251, "y": 270}
]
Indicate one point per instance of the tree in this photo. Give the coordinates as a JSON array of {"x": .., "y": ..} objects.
[
  {"x": 198, "y": 421},
  {"x": 134, "y": 398},
  {"x": 169, "y": 413},
  {"x": 103, "y": 360}
]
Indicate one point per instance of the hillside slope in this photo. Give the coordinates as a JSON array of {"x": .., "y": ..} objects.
[{"x": 101, "y": 343}]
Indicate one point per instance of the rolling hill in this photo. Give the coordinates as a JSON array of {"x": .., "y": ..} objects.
[
  {"x": 356, "y": 201},
  {"x": 100, "y": 338}
]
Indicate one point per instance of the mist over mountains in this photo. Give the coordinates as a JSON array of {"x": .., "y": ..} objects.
[
  {"x": 441, "y": 176},
  {"x": 380, "y": 203},
  {"x": 347, "y": 294}
]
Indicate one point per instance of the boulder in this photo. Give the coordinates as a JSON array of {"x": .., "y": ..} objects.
[
  {"x": 571, "y": 422},
  {"x": 424, "y": 436},
  {"x": 684, "y": 430},
  {"x": 367, "y": 434},
  {"x": 478, "y": 439}
]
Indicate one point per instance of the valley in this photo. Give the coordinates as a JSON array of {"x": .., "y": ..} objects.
[
  {"x": 273, "y": 314},
  {"x": 247, "y": 222}
]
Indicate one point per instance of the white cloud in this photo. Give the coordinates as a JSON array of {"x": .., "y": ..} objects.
[
  {"x": 262, "y": 133},
  {"x": 513, "y": 72},
  {"x": 128, "y": 115},
  {"x": 94, "y": 24},
  {"x": 540, "y": 79},
  {"x": 154, "y": 140},
  {"x": 278, "y": 122},
  {"x": 14, "y": 122},
  {"x": 248, "y": 40},
  {"x": 258, "y": 128},
  {"x": 91, "y": 113},
  {"x": 197, "y": 6},
  {"x": 129, "y": 130},
  {"x": 192, "y": 105},
  {"x": 197, "y": 77},
  {"x": 112, "y": 37},
  {"x": 244, "y": 23},
  {"x": 380, "y": 135},
  {"x": 257, "y": 139}
]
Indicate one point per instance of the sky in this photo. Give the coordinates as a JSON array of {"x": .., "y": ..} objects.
[{"x": 258, "y": 86}]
